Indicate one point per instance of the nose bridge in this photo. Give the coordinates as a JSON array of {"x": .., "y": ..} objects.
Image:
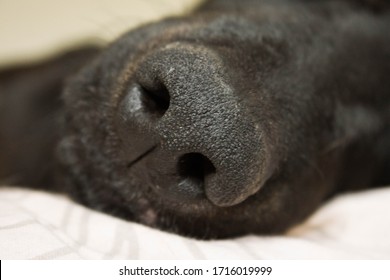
[{"x": 202, "y": 104}]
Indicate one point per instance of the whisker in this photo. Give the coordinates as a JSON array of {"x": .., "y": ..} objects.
[{"x": 130, "y": 164}]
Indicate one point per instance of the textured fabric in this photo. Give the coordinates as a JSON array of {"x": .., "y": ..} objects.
[{"x": 39, "y": 225}]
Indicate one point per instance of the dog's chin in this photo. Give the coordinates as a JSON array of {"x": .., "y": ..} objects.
[
  {"x": 160, "y": 208},
  {"x": 196, "y": 218},
  {"x": 187, "y": 220}
]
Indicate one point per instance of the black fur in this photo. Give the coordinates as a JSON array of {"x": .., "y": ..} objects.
[{"x": 242, "y": 117}]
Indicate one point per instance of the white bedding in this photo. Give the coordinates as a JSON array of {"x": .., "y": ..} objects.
[{"x": 39, "y": 225}]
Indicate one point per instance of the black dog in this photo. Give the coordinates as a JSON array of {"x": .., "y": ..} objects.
[{"x": 239, "y": 118}]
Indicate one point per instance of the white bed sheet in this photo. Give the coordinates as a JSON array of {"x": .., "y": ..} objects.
[{"x": 39, "y": 225}]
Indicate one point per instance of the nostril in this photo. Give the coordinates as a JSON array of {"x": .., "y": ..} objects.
[
  {"x": 194, "y": 168},
  {"x": 156, "y": 100}
]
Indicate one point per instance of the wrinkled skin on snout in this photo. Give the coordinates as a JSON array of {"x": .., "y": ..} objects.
[{"x": 228, "y": 122}]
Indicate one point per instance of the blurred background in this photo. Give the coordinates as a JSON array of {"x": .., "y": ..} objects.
[{"x": 31, "y": 30}]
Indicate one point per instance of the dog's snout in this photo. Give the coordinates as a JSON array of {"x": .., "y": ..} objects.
[{"x": 203, "y": 144}]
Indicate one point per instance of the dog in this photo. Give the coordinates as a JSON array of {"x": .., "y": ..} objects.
[{"x": 242, "y": 117}]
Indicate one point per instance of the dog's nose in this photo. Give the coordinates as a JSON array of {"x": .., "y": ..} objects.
[{"x": 182, "y": 119}]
